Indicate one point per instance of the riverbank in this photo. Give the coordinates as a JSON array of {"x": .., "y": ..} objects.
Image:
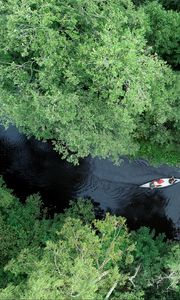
[{"x": 157, "y": 155}]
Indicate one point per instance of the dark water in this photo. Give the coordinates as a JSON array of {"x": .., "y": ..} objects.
[{"x": 29, "y": 166}]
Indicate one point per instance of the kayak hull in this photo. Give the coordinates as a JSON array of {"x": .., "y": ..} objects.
[{"x": 162, "y": 185}]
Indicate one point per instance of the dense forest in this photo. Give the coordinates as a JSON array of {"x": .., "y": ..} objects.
[
  {"x": 94, "y": 77},
  {"x": 97, "y": 78},
  {"x": 77, "y": 256}
]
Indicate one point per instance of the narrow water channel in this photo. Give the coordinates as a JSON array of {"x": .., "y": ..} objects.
[{"x": 29, "y": 166}]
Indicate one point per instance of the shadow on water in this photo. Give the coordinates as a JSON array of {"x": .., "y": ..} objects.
[
  {"x": 29, "y": 166},
  {"x": 150, "y": 210}
]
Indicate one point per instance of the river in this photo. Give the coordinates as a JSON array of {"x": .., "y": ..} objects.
[{"x": 30, "y": 166}]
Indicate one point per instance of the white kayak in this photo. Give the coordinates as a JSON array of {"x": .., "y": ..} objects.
[{"x": 165, "y": 183}]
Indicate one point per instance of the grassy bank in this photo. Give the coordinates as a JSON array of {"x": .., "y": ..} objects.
[{"x": 160, "y": 155}]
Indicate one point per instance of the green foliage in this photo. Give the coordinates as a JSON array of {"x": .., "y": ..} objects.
[
  {"x": 5, "y": 195},
  {"x": 149, "y": 255},
  {"x": 159, "y": 141},
  {"x": 171, "y": 4},
  {"x": 156, "y": 276},
  {"x": 164, "y": 32},
  {"x": 174, "y": 268},
  {"x": 82, "y": 208},
  {"x": 158, "y": 155},
  {"x": 76, "y": 256},
  {"x": 21, "y": 226},
  {"x": 80, "y": 74},
  {"x": 80, "y": 265},
  {"x": 168, "y": 4}
]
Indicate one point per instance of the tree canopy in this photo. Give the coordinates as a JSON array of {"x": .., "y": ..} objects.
[
  {"x": 95, "y": 77},
  {"x": 74, "y": 255},
  {"x": 81, "y": 74}
]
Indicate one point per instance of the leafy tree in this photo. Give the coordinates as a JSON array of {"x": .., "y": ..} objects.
[
  {"x": 153, "y": 256},
  {"x": 80, "y": 265},
  {"x": 21, "y": 226},
  {"x": 80, "y": 74},
  {"x": 164, "y": 32}
]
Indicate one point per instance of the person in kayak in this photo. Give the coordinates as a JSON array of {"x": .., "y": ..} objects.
[
  {"x": 156, "y": 183},
  {"x": 172, "y": 180}
]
